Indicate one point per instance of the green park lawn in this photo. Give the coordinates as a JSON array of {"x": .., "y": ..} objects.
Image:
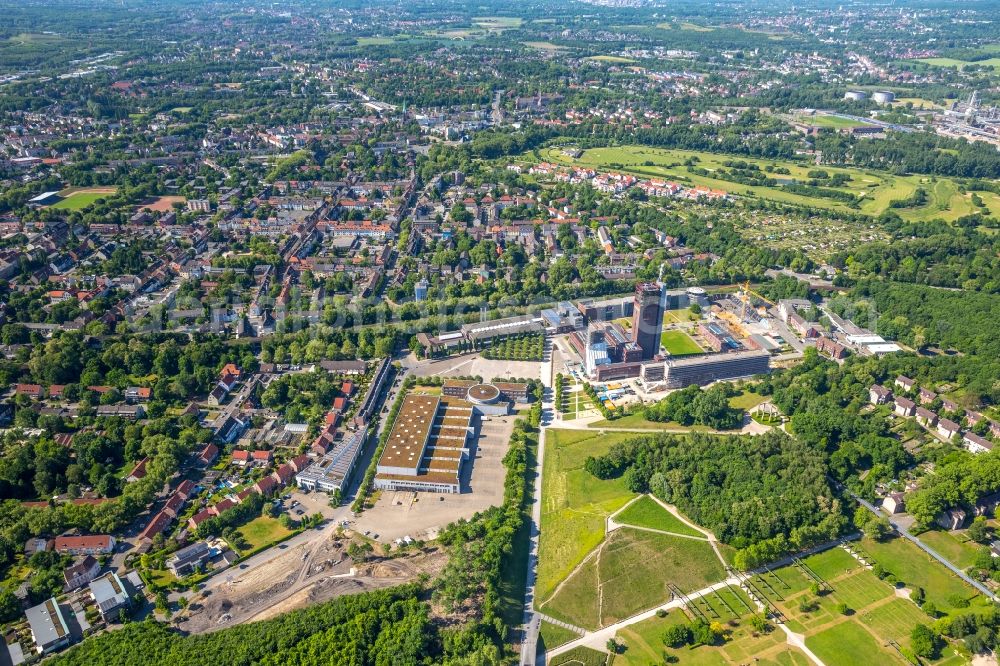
[
  {"x": 746, "y": 400},
  {"x": 878, "y": 188},
  {"x": 610, "y": 58},
  {"x": 679, "y": 343},
  {"x": 849, "y": 644},
  {"x": 263, "y": 531},
  {"x": 632, "y": 572},
  {"x": 644, "y": 640},
  {"x": 552, "y": 636},
  {"x": 835, "y": 122},
  {"x": 580, "y": 656},
  {"x": 914, "y": 567},
  {"x": 878, "y": 615},
  {"x": 646, "y": 512},
  {"x": 638, "y": 422},
  {"x": 960, "y": 552},
  {"x": 574, "y": 503}
]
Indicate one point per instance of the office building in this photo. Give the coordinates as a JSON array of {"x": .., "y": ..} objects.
[
  {"x": 703, "y": 370},
  {"x": 647, "y": 319}
]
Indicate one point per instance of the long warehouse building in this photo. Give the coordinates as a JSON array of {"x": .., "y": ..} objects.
[{"x": 427, "y": 445}]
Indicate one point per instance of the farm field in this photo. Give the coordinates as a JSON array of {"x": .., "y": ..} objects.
[
  {"x": 679, "y": 343},
  {"x": 630, "y": 572},
  {"x": 544, "y": 46},
  {"x": 952, "y": 62},
  {"x": 375, "y": 41},
  {"x": 574, "y": 504},
  {"x": 498, "y": 22},
  {"x": 877, "y": 188},
  {"x": 646, "y": 512}
]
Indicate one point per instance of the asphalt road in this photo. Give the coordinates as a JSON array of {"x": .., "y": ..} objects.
[{"x": 532, "y": 620}]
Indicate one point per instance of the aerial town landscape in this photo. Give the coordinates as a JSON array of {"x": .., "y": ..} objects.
[{"x": 573, "y": 332}]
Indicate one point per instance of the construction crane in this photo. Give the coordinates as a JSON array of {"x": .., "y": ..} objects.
[{"x": 745, "y": 293}]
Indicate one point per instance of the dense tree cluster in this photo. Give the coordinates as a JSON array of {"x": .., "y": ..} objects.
[
  {"x": 695, "y": 406},
  {"x": 745, "y": 489},
  {"x": 383, "y": 627}
]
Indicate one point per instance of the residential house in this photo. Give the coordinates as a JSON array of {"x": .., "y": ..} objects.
[
  {"x": 879, "y": 395},
  {"x": 948, "y": 429},
  {"x": 926, "y": 396},
  {"x": 975, "y": 443},
  {"x": 81, "y": 573},
  {"x": 137, "y": 394},
  {"x": 109, "y": 595},
  {"x": 208, "y": 455},
  {"x": 905, "y": 383},
  {"x": 893, "y": 503},
  {"x": 188, "y": 559},
  {"x": 926, "y": 417},
  {"x": 266, "y": 486},
  {"x": 156, "y": 525},
  {"x": 951, "y": 519},
  {"x": 33, "y": 391},
  {"x": 138, "y": 472},
  {"x": 904, "y": 407},
  {"x": 284, "y": 474},
  {"x": 47, "y": 623},
  {"x": 94, "y": 544}
]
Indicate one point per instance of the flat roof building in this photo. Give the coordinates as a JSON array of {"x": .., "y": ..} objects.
[
  {"x": 426, "y": 446},
  {"x": 109, "y": 595},
  {"x": 333, "y": 470},
  {"x": 48, "y": 626},
  {"x": 703, "y": 370}
]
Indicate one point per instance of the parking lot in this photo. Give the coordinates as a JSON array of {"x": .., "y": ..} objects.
[
  {"x": 473, "y": 365},
  {"x": 422, "y": 515}
]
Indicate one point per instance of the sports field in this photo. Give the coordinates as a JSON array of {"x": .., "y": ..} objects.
[
  {"x": 679, "y": 343},
  {"x": 79, "y": 198}
]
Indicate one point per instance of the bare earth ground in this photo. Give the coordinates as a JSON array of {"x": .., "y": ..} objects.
[
  {"x": 161, "y": 204},
  {"x": 296, "y": 579}
]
